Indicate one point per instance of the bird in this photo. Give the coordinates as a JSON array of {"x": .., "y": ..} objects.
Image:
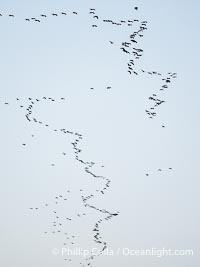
[
  {"x": 136, "y": 8},
  {"x": 54, "y": 14},
  {"x": 124, "y": 50},
  {"x": 10, "y": 15},
  {"x": 63, "y": 13}
]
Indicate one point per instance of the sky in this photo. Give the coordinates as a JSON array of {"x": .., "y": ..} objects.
[{"x": 63, "y": 57}]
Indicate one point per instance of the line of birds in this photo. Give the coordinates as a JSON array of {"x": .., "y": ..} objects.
[
  {"x": 151, "y": 112},
  {"x": 129, "y": 48},
  {"x": 92, "y": 11},
  {"x": 41, "y": 16},
  {"x": 58, "y": 222}
]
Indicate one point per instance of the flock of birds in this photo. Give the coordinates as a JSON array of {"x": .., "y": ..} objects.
[
  {"x": 151, "y": 112},
  {"x": 59, "y": 222},
  {"x": 92, "y": 12},
  {"x": 134, "y": 53}
]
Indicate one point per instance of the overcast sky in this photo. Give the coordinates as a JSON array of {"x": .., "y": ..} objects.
[{"x": 63, "y": 57}]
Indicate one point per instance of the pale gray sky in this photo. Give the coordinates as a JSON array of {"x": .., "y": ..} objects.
[{"x": 65, "y": 56}]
